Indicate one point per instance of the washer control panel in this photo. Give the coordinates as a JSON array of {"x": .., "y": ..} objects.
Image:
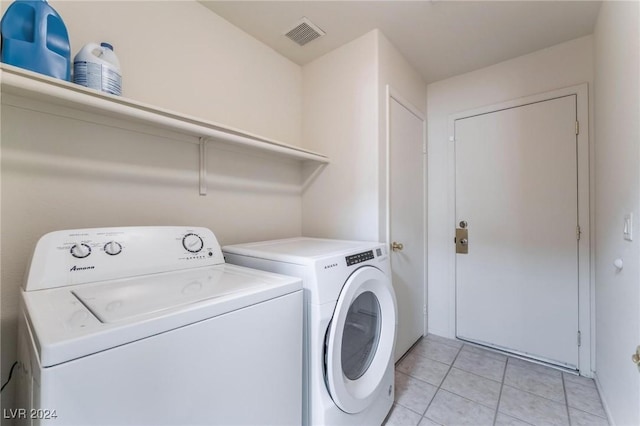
[{"x": 79, "y": 256}]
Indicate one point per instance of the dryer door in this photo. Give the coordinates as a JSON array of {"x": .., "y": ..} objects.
[{"x": 360, "y": 340}]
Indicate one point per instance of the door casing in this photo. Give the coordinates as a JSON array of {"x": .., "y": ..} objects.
[{"x": 586, "y": 284}]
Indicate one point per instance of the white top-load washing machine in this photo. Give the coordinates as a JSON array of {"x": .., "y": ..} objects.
[
  {"x": 149, "y": 326},
  {"x": 350, "y": 323}
]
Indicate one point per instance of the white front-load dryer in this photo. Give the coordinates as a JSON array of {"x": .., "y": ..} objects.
[{"x": 350, "y": 325}]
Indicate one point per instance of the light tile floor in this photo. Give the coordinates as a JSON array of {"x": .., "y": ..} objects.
[{"x": 445, "y": 382}]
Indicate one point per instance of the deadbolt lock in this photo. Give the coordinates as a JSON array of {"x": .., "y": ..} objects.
[{"x": 462, "y": 240}]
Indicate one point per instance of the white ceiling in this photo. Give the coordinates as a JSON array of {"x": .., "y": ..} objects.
[{"x": 439, "y": 38}]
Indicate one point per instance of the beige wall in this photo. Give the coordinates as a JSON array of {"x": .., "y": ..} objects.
[
  {"x": 617, "y": 145},
  {"x": 400, "y": 76},
  {"x": 181, "y": 56},
  {"x": 564, "y": 65},
  {"x": 340, "y": 119},
  {"x": 63, "y": 172},
  {"x": 344, "y": 116}
]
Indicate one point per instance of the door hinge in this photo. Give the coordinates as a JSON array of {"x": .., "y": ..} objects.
[
  {"x": 579, "y": 339},
  {"x": 425, "y": 310},
  {"x": 578, "y": 232},
  {"x": 577, "y": 127}
]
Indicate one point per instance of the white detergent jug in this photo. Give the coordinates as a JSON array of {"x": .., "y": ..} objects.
[{"x": 97, "y": 66}]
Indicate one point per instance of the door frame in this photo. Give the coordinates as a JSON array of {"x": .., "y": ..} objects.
[
  {"x": 391, "y": 93},
  {"x": 586, "y": 284}
]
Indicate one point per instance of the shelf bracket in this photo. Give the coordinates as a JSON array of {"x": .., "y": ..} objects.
[
  {"x": 203, "y": 166},
  {"x": 310, "y": 173}
]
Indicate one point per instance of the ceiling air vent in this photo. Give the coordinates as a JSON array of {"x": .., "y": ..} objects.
[{"x": 304, "y": 31}]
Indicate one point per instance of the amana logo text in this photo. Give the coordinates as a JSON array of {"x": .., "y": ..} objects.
[
  {"x": 81, "y": 268},
  {"x": 333, "y": 265}
]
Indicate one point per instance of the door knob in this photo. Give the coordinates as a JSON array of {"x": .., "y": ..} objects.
[
  {"x": 396, "y": 246},
  {"x": 636, "y": 357}
]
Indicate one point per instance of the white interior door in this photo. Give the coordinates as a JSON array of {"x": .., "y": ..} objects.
[
  {"x": 407, "y": 221},
  {"x": 516, "y": 187}
]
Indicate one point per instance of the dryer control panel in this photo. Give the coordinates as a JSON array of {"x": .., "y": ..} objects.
[
  {"x": 359, "y": 258},
  {"x": 80, "y": 256}
]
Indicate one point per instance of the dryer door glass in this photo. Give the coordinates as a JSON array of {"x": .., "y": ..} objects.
[
  {"x": 360, "y": 335},
  {"x": 359, "y": 342}
]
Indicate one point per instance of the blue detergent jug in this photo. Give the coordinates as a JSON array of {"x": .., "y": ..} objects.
[{"x": 34, "y": 37}]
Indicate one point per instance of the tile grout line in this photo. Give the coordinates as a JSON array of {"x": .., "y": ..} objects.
[
  {"x": 478, "y": 375},
  {"x": 404, "y": 406},
  {"x": 425, "y": 356},
  {"x": 519, "y": 389},
  {"x": 589, "y": 413},
  {"x": 446, "y": 343},
  {"x": 497, "y": 409},
  {"x": 467, "y": 398},
  {"x": 411, "y": 349},
  {"x": 504, "y": 374},
  {"x": 462, "y": 349},
  {"x": 586, "y": 386},
  {"x": 508, "y": 362},
  {"x": 503, "y": 384},
  {"x": 533, "y": 367},
  {"x": 534, "y": 394},
  {"x": 442, "y": 381},
  {"x": 427, "y": 341},
  {"x": 566, "y": 400}
]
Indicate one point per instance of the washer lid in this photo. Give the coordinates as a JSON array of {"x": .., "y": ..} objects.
[
  {"x": 128, "y": 298},
  {"x": 75, "y": 321}
]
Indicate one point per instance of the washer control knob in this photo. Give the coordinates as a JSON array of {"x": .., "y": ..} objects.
[
  {"x": 112, "y": 248},
  {"x": 192, "y": 243},
  {"x": 80, "y": 251}
]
